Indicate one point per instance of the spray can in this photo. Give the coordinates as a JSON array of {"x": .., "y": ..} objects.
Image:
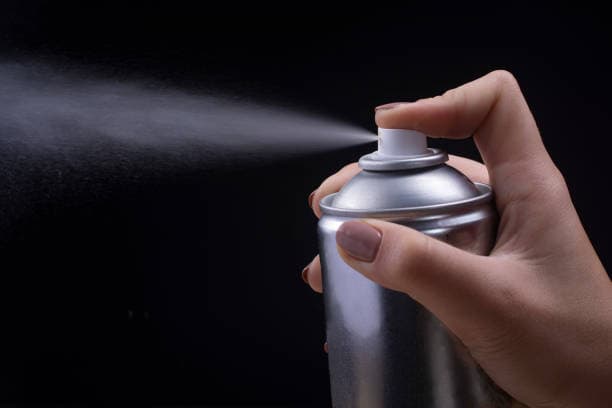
[{"x": 386, "y": 350}]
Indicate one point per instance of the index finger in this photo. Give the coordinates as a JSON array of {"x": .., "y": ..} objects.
[{"x": 494, "y": 111}]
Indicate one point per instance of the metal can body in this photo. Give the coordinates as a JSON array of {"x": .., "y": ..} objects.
[{"x": 386, "y": 350}]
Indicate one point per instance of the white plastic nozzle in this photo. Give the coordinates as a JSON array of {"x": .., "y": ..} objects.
[{"x": 401, "y": 142}]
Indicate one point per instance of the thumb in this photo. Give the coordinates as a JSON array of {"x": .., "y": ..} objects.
[{"x": 460, "y": 288}]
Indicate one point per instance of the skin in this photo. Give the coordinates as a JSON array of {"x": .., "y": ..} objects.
[{"x": 536, "y": 313}]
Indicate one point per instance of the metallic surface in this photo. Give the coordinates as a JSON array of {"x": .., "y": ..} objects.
[
  {"x": 376, "y": 191},
  {"x": 385, "y": 350}
]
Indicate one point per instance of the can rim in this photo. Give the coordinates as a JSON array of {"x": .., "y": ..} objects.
[
  {"x": 377, "y": 162},
  {"x": 486, "y": 194}
]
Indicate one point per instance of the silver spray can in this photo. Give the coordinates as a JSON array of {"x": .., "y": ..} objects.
[{"x": 386, "y": 350}]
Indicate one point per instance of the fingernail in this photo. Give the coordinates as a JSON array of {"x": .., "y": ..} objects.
[
  {"x": 387, "y": 106},
  {"x": 359, "y": 239},
  {"x": 310, "y": 197},
  {"x": 305, "y": 274},
  {"x": 325, "y": 348}
]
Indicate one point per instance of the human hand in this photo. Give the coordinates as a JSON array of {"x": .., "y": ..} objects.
[{"x": 536, "y": 314}]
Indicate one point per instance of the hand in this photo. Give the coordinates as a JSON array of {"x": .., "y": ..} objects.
[{"x": 536, "y": 314}]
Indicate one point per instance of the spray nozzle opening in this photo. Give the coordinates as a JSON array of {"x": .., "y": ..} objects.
[{"x": 401, "y": 142}]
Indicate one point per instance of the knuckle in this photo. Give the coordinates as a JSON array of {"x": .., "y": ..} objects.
[
  {"x": 505, "y": 79},
  {"x": 551, "y": 188},
  {"x": 558, "y": 186},
  {"x": 554, "y": 188}
]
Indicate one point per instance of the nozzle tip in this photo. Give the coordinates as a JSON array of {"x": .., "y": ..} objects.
[{"x": 401, "y": 142}]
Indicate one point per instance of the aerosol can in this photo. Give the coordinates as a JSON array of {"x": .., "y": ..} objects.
[{"x": 386, "y": 350}]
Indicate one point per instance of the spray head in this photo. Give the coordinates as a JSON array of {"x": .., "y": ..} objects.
[
  {"x": 402, "y": 175},
  {"x": 401, "y": 149},
  {"x": 401, "y": 142}
]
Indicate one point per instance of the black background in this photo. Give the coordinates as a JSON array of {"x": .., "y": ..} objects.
[{"x": 157, "y": 283}]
